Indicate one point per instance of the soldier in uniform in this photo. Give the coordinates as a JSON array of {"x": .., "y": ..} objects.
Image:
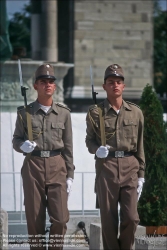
[
  {"x": 120, "y": 163},
  {"x": 48, "y": 171}
]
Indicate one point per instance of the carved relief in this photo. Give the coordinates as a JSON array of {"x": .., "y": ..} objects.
[
  {"x": 10, "y": 85},
  {"x": 11, "y": 91}
]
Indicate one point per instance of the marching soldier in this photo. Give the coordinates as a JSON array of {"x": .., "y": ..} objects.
[
  {"x": 115, "y": 136},
  {"x": 48, "y": 169}
]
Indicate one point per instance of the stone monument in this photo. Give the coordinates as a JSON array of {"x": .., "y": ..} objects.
[{"x": 10, "y": 85}]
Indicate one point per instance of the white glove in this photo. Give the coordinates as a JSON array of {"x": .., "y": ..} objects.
[
  {"x": 69, "y": 185},
  {"x": 102, "y": 151},
  {"x": 140, "y": 187},
  {"x": 28, "y": 146}
]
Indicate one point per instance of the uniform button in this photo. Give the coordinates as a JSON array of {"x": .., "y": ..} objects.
[{"x": 118, "y": 140}]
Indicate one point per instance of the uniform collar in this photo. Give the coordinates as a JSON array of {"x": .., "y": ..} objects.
[
  {"x": 36, "y": 106},
  {"x": 54, "y": 107},
  {"x": 107, "y": 105}
]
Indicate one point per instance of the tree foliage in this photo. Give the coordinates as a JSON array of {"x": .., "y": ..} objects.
[
  {"x": 19, "y": 29},
  {"x": 160, "y": 49},
  {"x": 152, "y": 205}
]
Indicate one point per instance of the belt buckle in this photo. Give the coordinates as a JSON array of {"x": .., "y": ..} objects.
[
  {"x": 45, "y": 153},
  {"x": 119, "y": 154}
]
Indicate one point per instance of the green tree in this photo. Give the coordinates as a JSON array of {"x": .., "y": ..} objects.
[
  {"x": 152, "y": 205},
  {"x": 5, "y": 46},
  {"x": 19, "y": 29},
  {"x": 160, "y": 49}
]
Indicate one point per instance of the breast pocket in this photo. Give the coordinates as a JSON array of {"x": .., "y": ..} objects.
[
  {"x": 130, "y": 128},
  {"x": 109, "y": 124},
  {"x": 57, "y": 130}
]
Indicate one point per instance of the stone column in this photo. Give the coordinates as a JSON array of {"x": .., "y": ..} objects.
[
  {"x": 49, "y": 30},
  {"x": 35, "y": 30}
]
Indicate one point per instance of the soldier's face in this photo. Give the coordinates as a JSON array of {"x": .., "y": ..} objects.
[
  {"x": 114, "y": 86},
  {"x": 45, "y": 87}
]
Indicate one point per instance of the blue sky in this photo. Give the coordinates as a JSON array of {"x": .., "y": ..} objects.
[{"x": 17, "y": 5}]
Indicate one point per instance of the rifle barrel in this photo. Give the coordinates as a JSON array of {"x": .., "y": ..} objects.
[{"x": 20, "y": 73}]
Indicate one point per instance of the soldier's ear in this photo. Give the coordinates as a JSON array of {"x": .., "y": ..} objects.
[
  {"x": 35, "y": 86},
  {"x": 104, "y": 86}
]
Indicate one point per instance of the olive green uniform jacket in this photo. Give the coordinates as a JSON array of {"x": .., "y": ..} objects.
[
  {"x": 51, "y": 131},
  {"x": 124, "y": 131}
]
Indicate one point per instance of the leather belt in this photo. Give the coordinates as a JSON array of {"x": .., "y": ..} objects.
[
  {"x": 45, "y": 153},
  {"x": 119, "y": 154}
]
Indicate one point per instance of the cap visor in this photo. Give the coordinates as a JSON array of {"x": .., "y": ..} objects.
[
  {"x": 46, "y": 77},
  {"x": 114, "y": 75}
]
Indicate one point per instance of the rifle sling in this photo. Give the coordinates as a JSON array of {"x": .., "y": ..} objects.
[
  {"x": 102, "y": 128},
  {"x": 103, "y": 142},
  {"x": 29, "y": 127}
]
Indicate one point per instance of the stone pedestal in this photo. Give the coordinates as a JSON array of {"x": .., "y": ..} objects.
[
  {"x": 3, "y": 230},
  {"x": 10, "y": 83},
  {"x": 145, "y": 242},
  {"x": 96, "y": 236}
]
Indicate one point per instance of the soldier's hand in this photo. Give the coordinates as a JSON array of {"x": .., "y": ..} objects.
[
  {"x": 102, "y": 151},
  {"x": 69, "y": 185},
  {"x": 28, "y": 146},
  {"x": 140, "y": 187}
]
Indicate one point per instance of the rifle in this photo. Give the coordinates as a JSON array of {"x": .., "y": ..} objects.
[
  {"x": 28, "y": 115},
  {"x": 23, "y": 89},
  {"x": 101, "y": 117},
  {"x": 92, "y": 85},
  {"x": 102, "y": 133}
]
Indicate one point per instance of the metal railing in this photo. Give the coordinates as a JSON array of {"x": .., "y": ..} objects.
[{"x": 21, "y": 214}]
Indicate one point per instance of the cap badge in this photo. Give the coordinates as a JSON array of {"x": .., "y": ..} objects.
[
  {"x": 48, "y": 66},
  {"x": 115, "y": 66}
]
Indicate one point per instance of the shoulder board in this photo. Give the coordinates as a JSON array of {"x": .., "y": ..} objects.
[
  {"x": 30, "y": 105},
  {"x": 133, "y": 104},
  {"x": 20, "y": 108},
  {"x": 63, "y": 106}
]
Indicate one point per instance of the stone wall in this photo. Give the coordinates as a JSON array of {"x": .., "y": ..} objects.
[{"x": 109, "y": 32}]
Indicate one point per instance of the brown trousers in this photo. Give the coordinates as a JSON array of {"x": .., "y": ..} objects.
[
  {"x": 118, "y": 183},
  {"x": 44, "y": 184}
]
